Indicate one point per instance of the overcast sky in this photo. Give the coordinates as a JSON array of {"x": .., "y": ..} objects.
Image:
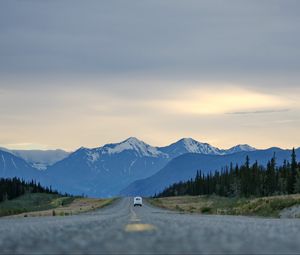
[{"x": 85, "y": 73}]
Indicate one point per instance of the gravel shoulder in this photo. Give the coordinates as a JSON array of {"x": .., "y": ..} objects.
[{"x": 291, "y": 212}]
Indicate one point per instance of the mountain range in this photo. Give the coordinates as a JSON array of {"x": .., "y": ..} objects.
[
  {"x": 39, "y": 159},
  {"x": 12, "y": 165},
  {"x": 128, "y": 168}
]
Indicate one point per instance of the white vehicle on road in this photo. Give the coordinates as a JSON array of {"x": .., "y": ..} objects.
[{"x": 137, "y": 201}]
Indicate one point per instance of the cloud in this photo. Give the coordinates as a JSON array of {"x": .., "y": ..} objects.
[
  {"x": 223, "y": 99},
  {"x": 171, "y": 38},
  {"x": 260, "y": 111}
]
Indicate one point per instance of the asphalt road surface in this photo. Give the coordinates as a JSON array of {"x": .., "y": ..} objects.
[{"x": 123, "y": 229}]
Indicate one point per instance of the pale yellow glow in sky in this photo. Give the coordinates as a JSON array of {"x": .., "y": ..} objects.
[
  {"x": 221, "y": 114},
  {"x": 220, "y": 101}
]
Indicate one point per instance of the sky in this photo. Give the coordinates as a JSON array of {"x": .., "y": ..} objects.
[{"x": 86, "y": 73}]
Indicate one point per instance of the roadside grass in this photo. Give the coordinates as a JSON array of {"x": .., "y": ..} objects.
[
  {"x": 41, "y": 204},
  {"x": 78, "y": 205},
  {"x": 268, "y": 206},
  {"x": 264, "y": 207}
]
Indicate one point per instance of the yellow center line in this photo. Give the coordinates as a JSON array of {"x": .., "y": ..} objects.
[{"x": 137, "y": 227}]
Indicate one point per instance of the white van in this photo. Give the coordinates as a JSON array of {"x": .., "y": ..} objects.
[{"x": 137, "y": 201}]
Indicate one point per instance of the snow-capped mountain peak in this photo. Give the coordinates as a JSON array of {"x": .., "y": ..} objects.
[
  {"x": 134, "y": 144},
  {"x": 189, "y": 145},
  {"x": 240, "y": 147},
  {"x": 194, "y": 146}
]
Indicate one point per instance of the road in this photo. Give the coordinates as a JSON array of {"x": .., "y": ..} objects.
[{"x": 122, "y": 229}]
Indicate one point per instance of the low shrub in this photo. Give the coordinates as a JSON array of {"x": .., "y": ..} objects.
[{"x": 206, "y": 210}]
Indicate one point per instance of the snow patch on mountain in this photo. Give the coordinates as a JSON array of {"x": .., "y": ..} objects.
[
  {"x": 131, "y": 165},
  {"x": 4, "y": 164},
  {"x": 39, "y": 166},
  {"x": 93, "y": 156},
  {"x": 14, "y": 164}
]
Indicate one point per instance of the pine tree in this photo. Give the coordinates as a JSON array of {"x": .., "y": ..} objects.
[
  {"x": 271, "y": 177},
  {"x": 297, "y": 182},
  {"x": 292, "y": 173}
]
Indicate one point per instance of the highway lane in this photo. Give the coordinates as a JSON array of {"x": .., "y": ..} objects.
[{"x": 124, "y": 229}]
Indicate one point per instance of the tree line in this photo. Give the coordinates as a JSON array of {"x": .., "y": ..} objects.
[
  {"x": 246, "y": 180},
  {"x": 15, "y": 187}
]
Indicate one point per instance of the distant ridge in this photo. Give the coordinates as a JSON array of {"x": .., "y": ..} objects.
[
  {"x": 113, "y": 168},
  {"x": 39, "y": 159},
  {"x": 185, "y": 167}
]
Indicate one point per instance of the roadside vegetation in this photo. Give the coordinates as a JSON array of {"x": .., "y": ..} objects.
[
  {"x": 24, "y": 199},
  {"x": 33, "y": 202},
  {"x": 271, "y": 206},
  {"x": 41, "y": 204},
  {"x": 18, "y": 196},
  {"x": 11, "y": 188}
]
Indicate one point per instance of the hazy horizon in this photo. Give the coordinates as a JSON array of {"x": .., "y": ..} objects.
[
  {"x": 77, "y": 73},
  {"x": 124, "y": 140}
]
